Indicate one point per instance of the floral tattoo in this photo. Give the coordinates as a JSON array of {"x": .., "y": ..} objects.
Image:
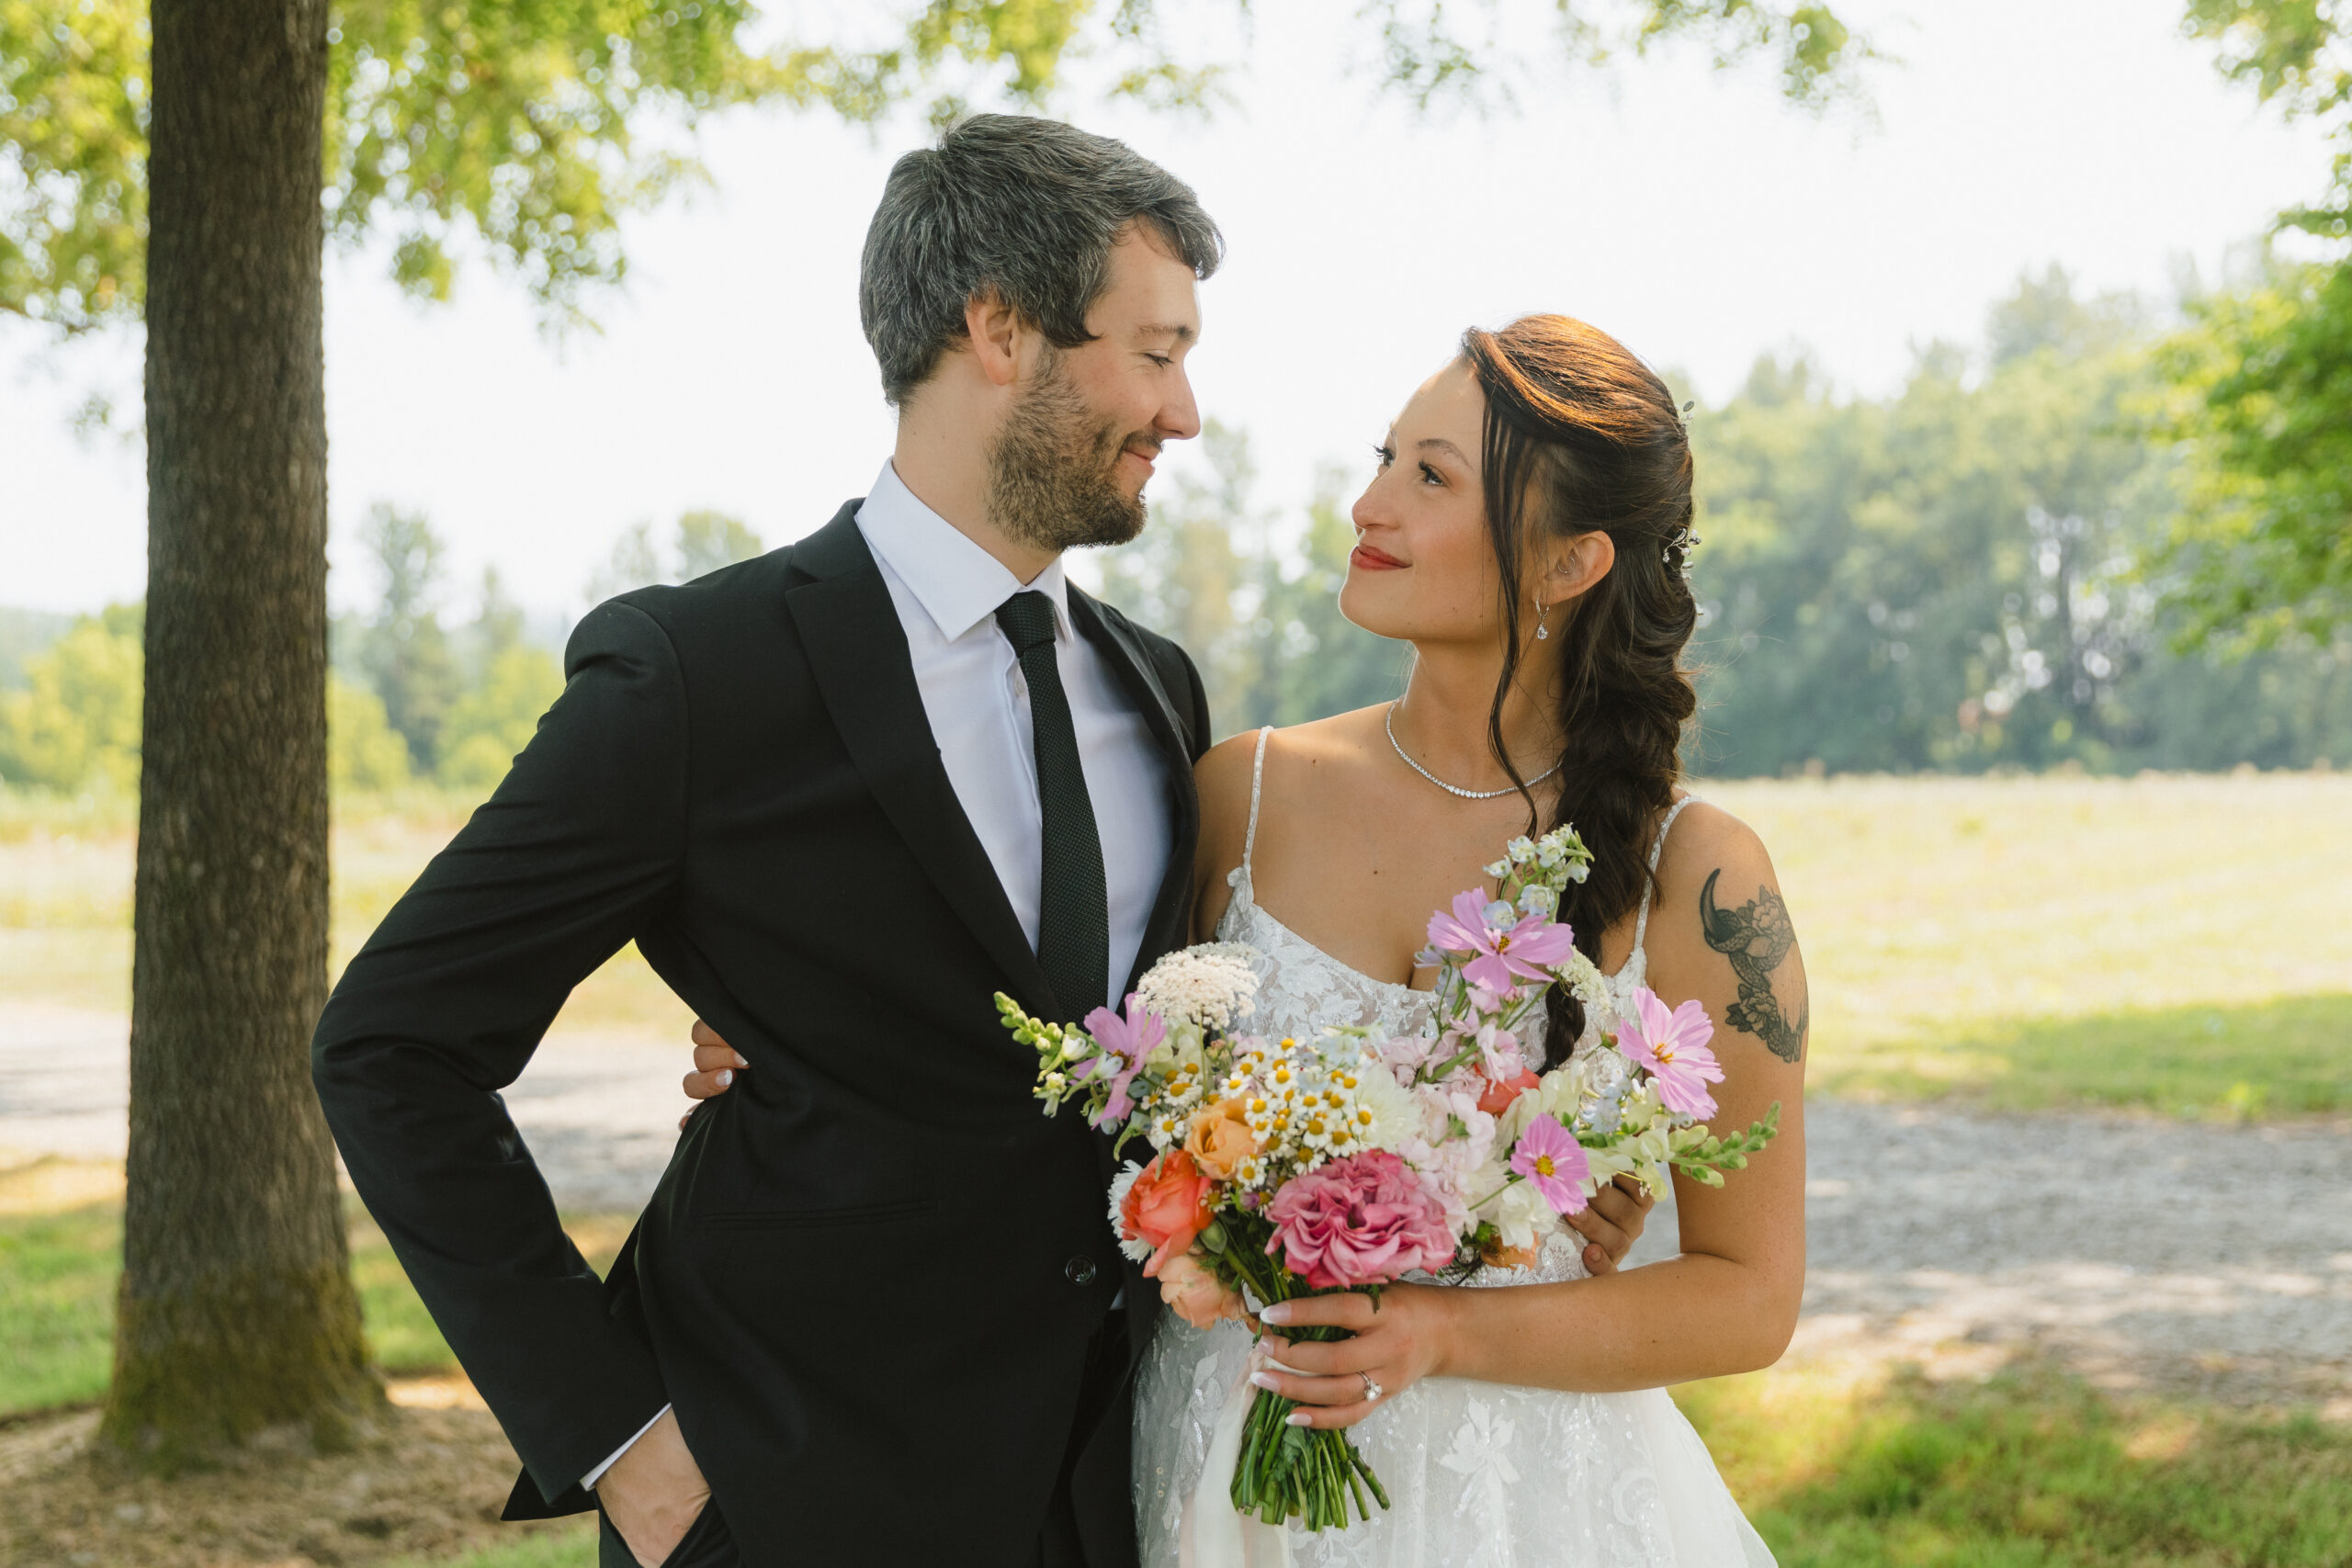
[{"x": 1755, "y": 937}]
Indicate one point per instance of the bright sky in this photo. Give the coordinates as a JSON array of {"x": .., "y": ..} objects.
[{"x": 1691, "y": 213}]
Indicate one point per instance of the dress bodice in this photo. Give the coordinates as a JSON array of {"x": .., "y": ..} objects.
[{"x": 1303, "y": 990}]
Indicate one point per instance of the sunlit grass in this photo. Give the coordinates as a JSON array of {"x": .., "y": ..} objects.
[
  {"x": 574, "y": 1548},
  {"x": 2034, "y": 1469},
  {"x": 2292, "y": 1056},
  {"x": 2051, "y": 941}
]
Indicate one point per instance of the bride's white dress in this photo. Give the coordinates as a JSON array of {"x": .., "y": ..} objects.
[{"x": 1479, "y": 1475}]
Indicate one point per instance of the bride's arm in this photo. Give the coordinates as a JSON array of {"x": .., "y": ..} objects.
[{"x": 1728, "y": 1302}]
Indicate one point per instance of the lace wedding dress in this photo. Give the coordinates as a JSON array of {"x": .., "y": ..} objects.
[{"x": 1479, "y": 1475}]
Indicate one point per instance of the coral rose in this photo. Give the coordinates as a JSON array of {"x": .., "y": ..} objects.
[
  {"x": 1359, "y": 1221},
  {"x": 1499, "y": 1092},
  {"x": 1494, "y": 1255},
  {"x": 1195, "y": 1295},
  {"x": 1167, "y": 1207},
  {"x": 1220, "y": 1140}
]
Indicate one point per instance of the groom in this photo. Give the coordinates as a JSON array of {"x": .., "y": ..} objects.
[{"x": 839, "y": 795}]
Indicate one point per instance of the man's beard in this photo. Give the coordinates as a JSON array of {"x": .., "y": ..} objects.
[{"x": 1050, "y": 468}]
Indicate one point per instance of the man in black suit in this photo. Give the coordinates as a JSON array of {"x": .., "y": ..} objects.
[{"x": 839, "y": 797}]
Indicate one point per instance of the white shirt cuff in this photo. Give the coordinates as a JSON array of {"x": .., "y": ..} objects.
[{"x": 588, "y": 1481}]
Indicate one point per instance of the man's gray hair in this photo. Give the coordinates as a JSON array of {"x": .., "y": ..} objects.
[{"x": 1025, "y": 209}]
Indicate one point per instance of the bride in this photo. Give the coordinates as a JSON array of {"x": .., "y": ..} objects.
[{"x": 1526, "y": 533}]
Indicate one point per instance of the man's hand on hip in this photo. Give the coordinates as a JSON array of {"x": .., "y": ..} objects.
[{"x": 654, "y": 1492}]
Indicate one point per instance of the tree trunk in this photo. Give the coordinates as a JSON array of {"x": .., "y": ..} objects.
[{"x": 237, "y": 1311}]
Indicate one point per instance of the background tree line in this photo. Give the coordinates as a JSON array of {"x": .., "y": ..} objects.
[
  {"x": 420, "y": 691},
  {"x": 1982, "y": 569},
  {"x": 1979, "y": 570}
]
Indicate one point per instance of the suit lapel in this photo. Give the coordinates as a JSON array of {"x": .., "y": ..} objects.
[
  {"x": 1116, "y": 644},
  {"x": 857, "y": 654}
]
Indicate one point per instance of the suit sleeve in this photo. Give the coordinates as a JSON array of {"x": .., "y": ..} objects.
[
  {"x": 444, "y": 1005},
  {"x": 1197, "y": 704}
]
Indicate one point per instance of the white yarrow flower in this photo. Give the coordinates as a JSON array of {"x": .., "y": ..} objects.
[
  {"x": 1211, "y": 985},
  {"x": 1135, "y": 1251}
]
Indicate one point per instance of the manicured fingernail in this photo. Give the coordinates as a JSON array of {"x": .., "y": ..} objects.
[
  {"x": 1278, "y": 1314},
  {"x": 1263, "y": 1380},
  {"x": 739, "y": 1060},
  {"x": 1296, "y": 1418},
  {"x": 725, "y": 1076}
]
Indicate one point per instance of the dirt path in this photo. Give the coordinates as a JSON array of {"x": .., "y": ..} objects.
[{"x": 2204, "y": 1258}]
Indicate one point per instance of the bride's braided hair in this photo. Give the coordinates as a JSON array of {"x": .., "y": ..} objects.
[{"x": 1581, "y": 436}]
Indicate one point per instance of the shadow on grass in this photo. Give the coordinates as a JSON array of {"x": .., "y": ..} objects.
[
  {"x": 2288, "y": 1057},
  {"x": 2034, "y": 1469}
]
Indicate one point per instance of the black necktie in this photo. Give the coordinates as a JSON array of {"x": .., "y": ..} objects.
[{"x": 1073, "y": 908}]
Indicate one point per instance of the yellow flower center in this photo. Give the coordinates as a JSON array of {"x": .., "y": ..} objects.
[{"x": 1544, "y": 1166}]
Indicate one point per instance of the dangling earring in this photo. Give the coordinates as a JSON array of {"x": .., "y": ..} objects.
[{"x": 1542, "y": 610}]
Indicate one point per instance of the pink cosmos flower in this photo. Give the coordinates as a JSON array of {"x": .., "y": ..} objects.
[
  {"x": 1126, "y": 1043},
  {"x": 1522, "y": 953},
  {"x": 1553, "y": 1163},
  {"x": 1359, "y": 1221},
  {"x": 1672, "y": 1047}
]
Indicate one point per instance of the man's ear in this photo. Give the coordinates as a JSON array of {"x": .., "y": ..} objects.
[
  {"x": 1577, "y": 565},
  {"x": 996, "y": 333}
]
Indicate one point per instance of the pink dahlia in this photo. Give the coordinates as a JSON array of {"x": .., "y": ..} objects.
[
  {"x": 1125, "y": 1042},
  {"x": 1672, "y": 1047},
  {"x": 1553, "y": 1163},
  {"x": 1524, "y": 950},
  {"x": 1359, "y": 1221}
]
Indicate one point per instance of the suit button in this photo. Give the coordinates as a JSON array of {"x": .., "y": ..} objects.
[{"x": 1081, "y": 1269}]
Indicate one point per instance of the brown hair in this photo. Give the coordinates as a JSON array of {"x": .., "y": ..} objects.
[{"x": 1582, "y": 436}]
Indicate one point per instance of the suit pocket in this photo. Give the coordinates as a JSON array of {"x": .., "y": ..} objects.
[
  {"x": 706, "y": 1543},
  {"x": 816, "y": 1219}
]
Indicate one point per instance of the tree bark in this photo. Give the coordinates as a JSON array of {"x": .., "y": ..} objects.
[{"x": 237, "y": 1311}]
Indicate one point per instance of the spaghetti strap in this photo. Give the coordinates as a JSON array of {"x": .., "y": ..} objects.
[
  {"x": 1257, "y": 781},
  {"x": 1649, "y": 884}
]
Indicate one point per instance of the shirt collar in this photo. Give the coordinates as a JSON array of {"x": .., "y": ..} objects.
[{"x": 958, "y": 583}]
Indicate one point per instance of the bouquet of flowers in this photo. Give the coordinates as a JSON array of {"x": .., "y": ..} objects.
[{"x": 1286, "y": 1167}]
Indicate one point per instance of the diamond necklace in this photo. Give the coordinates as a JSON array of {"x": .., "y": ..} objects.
[{"x": 1389, "y": 724}]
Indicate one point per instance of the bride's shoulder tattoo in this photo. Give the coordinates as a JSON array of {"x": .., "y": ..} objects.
[{"x": 1755, "y": 937}]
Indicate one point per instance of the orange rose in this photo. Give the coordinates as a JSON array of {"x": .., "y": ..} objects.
[
  {"x": 1167, "y": 1207},
  {"x": 1495, "y": 1255},
  {"x": 1499, "y": 1092},
  {"x": 1221, "y": 1139}
]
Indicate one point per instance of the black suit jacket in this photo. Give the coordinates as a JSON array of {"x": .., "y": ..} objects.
[{"x": 870, "y": 1275}]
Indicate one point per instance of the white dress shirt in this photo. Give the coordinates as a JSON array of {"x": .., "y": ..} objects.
[{"x": 946, "y": 589}]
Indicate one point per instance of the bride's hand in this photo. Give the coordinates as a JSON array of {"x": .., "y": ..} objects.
[
  {"x": 1611, "y": 1223},
  {"x": 716, "y": 1064},
  {"x": 1394, "y": 1347}
]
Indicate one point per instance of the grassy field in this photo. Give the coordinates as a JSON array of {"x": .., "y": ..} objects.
[
  {"x": 2170, "y": 943},
  {"x": 2173, "y": 944},
  {"x": 2032, "y": 1469},
  {"x": 65, "y": 885},
  {"x": 1837, "y": 1468}
]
